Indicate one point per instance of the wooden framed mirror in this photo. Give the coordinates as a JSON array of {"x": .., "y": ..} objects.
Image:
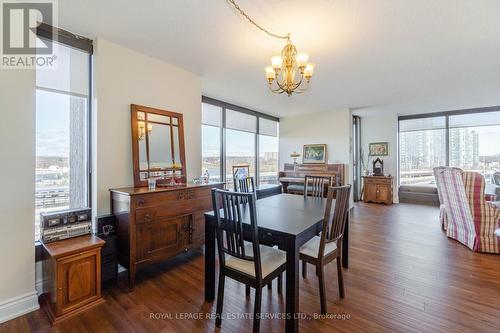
[{"x": 157, "y": 146}]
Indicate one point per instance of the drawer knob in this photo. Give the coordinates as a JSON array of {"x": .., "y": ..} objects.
[
  {"x": 141, "y": 202},
  {"x": 147, "y": 217}
]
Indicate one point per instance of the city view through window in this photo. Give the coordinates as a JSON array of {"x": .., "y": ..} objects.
[
  {"x": 61, "y": 170},
  {"x": 240, "y": 151},
  {"x": 240, "y": 148},
  {"x": 472, "y": 148}
]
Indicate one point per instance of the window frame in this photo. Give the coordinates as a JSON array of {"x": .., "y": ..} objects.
[
  {"x": 228, "y": 106},
  {"x": 66, "y": 38},
  {"x": 446, "y": 115}
]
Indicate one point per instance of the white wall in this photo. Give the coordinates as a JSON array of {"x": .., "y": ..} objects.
[
  {"x": 17, "y": 176},
  {"x": 124, "y": 77},
  {"x": 382, "y": 128},
  {"x": 332, "y": 128}
]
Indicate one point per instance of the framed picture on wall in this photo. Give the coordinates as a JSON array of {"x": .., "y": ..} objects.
[
  {"x": 378, "y": 149},
  {"x": 314, "y": 154},
  {"x": 241, "y": 171}
]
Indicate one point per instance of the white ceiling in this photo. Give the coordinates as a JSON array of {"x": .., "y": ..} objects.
[{"x": 372, "y": 55}]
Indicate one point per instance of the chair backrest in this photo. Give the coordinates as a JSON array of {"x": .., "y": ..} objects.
[
  {"x": 314, "y": 186},
  {"x": 244, "y": 184},
  {"x": 456, "y": 203},
  {"x": 230, "y": 210},
  {"x": 334, "y": 224},
  {"x": 496, "y": 178},
  {"x": 439, "y": 184},
  {"x": 486, "y": 218}
]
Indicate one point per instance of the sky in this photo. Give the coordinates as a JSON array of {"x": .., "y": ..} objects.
[
  {"x": 238, "y": 143},
  {"x": 489, "y": 140},
  {"x": 52, "y": 124}
]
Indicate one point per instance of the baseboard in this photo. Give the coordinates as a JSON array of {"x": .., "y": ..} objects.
[{"x": 18, "y": 306}]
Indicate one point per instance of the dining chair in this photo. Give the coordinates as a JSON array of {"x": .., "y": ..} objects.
[
  {"x": 325, "y": 248},
  {"x": 247, "y": 185},
  {"x": 247, "y": 262},
  {"x": 314, "y": 186},
  {"x": 244, "y": 184}
]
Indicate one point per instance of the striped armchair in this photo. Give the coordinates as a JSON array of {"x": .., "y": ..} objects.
[{"x": 469, "y": 218}]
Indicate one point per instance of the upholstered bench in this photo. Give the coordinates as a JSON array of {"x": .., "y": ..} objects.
[
  {"x": 267, "y": 190},
  {"x": 296, "y": 189}
]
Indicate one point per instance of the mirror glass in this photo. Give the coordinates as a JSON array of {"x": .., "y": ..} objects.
[
  {"x": 158, "y": 118},
  {"x": 177, "y": 158},
  {"x": 143, "y": 157},
  {"x": 160, "y": 147},
  {"x": 144, "y": 175}
]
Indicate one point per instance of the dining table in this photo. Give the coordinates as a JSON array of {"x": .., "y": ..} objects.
[{"x": 284, "y": 220}]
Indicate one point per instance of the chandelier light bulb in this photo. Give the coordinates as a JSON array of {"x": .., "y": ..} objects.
[
  {"x": 270, "y": 73},
  {"x": 277, "y": 62},
  {"x": 309, "y": 70},
  {"x": 301, "y": 59}
]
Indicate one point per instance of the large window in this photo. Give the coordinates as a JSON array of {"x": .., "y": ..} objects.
[
  {"x": 211, "y": 136},
  {"x": 268, "y": 152},
  {"x": 234, "y": 136},
  {"x": 62, "y": 133},
  {"x": 463, "y": 139}
]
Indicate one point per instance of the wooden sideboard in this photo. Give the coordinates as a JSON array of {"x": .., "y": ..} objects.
[
  {"x": 377, "y": 189},
  {"x": 159, "y": 224},
  {"x": 71, "y": 277}
]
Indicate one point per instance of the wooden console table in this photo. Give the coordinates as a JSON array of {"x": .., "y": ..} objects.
[{"x": 377, "y": 189}]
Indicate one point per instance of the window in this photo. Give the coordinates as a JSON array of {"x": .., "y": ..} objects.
[
  {"x": 474, "y": 142},
  {"x": 62, "y": 133},
  {"x": 463, "y": 139},
  {"x": 422, "y": 146},
  {"x": 211, "y": 135},
  {"x": 234, "y": 136},
  {"x": 268, "y": 151}
]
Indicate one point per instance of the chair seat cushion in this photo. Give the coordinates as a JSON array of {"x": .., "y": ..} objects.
[
  {"x": 296, "y": 188},
  {"x": 311, "y": 248},
  {"x": 270, "y": 258}
]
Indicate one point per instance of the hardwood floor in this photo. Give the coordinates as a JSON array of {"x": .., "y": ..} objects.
[{"x": 405, "y": 275}]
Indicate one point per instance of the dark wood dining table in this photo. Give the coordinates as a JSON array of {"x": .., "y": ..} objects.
[{"x": 285, "y": 220}]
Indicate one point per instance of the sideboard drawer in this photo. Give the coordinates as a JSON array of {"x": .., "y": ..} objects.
[
  {"x": 145, "y": 215},
  {"x": 376, "y": 180},
  {"x": 143, "y": 201}
]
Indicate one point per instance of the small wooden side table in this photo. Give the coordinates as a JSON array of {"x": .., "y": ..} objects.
[
  {"x": 377, "y": 189},
  {"x": 72, "y": 277}
]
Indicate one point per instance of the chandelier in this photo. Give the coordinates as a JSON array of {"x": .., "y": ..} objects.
[{"x": 289, "y": 72}]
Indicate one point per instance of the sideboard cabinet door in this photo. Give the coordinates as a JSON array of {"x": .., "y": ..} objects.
[{"x": 162, "y": 237}]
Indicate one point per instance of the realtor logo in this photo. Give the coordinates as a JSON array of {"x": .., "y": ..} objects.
[{"x": 21, "y": 48}]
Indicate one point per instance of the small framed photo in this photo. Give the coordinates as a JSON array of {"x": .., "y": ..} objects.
[
  {"x": 379, "y": 149},
  {"x": 314, "y": 154},
  {"x": 241, "y": 171}
]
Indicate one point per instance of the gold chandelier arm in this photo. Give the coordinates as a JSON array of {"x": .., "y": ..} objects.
[
  {"x": 298, "y": 83},
  {"x": 279, "y": 85},
  {"x": 245, "y": 15},
  {"x": 301, "y": 90},
  {"x": 278, "y": 90}
]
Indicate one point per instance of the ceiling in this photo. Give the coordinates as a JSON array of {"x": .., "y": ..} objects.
[{"x": 371, "y": 55}]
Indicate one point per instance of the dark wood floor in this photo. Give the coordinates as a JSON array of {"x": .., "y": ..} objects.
[{"x": 405, "y": 275}]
